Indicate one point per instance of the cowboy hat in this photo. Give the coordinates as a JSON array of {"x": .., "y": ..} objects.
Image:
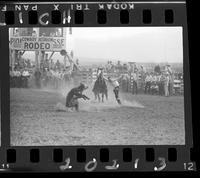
[{"x": 82, "y": 86}]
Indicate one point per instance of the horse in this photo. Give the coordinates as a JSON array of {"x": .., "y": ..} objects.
[{"x": 100, "y": 87}]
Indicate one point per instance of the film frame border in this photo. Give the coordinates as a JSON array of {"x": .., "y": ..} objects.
[{"x": 179, "y": 9}]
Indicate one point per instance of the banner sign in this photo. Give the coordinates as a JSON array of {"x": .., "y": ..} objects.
[{"x": 37, "y": 44}]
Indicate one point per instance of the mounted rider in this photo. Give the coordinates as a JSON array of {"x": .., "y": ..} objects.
[
  {"x": 100, "y": 86},
  {"x": 100, "y": 77}
]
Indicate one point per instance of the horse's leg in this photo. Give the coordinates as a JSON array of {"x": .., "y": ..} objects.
[
  {"x": 106, "y": 93},
  {"x": 102, "y": 97},
  {"x": 98, "y": 97}
]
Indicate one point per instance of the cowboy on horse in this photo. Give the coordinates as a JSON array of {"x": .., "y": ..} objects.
[
  {"x": 73, "y": 96},
  {"x": 100, "y": 86}
]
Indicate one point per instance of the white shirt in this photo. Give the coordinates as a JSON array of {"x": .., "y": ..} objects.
[
  {"x": 158, "y": 78},
  {"x": 16, "y": 34},
  {"x": 166, "y": 80},
  {"x": 134, "y": 75},
  {"x": 154, "y": 78},
  {"x": 25, "y": 74},
  {"x": 17, "y": 73},
  {"x": 168, "y": 69},
  {"x": 148, "y": 78},
  {"x": 114, "y": 83}
]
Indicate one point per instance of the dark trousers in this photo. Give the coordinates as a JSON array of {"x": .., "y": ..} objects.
[
  {"x": 14, "y": 81},
  {"x": 124, "y": 86},
  {"x": 148, "y": 87},
  {"x": 116, "y": 92},
  {"x": 73, "y": 103},
  {"x": 135, "y": 89},
  {"x": 24, "y": 82},
  {"x": 38, "y": 83},
  {"x": 11, "y": 82},
  {"x": 170, "y": 88},
  {"x": 19, "y": 81},
  {"x": 161, "y": 88}
]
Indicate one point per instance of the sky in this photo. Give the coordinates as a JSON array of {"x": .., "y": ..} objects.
[{"x": 127, "y": 44}]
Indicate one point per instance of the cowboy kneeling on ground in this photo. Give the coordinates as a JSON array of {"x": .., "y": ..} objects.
[{"x": 73, "y": 96}]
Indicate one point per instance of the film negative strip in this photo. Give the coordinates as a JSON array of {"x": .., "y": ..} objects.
[{"x": 95, "y": 87}]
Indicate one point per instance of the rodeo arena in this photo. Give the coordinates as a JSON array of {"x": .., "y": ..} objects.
[{"x": 61, "y": 101}]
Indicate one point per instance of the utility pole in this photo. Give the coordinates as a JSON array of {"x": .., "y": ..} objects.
[{"x": 37, "y": 52}]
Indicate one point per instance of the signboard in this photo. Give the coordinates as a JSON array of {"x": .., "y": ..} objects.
[{"x": 37, "y": 43}]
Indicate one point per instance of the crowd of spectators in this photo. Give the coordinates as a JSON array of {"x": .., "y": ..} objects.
[
  {"x": 156, "y": 82},
  {"x": 25, "y": 78},
  {"x": 136, "y": 79},
  {"x": 19, "y": 78}
]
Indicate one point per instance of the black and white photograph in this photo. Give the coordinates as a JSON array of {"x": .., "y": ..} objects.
[
  {"x": 96, "y": 86},
  {"x": 0, "y": 115}
]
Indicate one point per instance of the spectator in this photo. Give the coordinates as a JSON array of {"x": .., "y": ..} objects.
[
  {"x": 142, "y": 73},
  {"x": 125, "y": 82},
  {"x": 168, "y": 69},
  {"x": 52, "y": 34},
  {"x": 11, "y": 77},
  {"x": 44, "y": 77},
  {"x": 58, "y": 65},
  {"x": 34, "y": 34},
  {"x": 16, "y": 33},
  {"x": 154, "y": 84},
  {"x": 148, "y": 80},
  {"x": 37, "y": 78},
  {"x": 14, "y": 78},
  {"x": 162, "y": 83},
  {"x": 77, "y": 62},
  {"x": 43, "y": 35},
  {"x": 135, "y": 80},
  {"x": 157, "y": 69},
  {"x": 18, "y": 78},
  {"x": 135, "y": 68},
  {"x": 125, "y": 67},
  {"x": 171, "y": 84},
  {"x": 48, "y": 76},
  {"x": 143, "y": 69},
  {"x": 25, "y": 77},
  {"x": 166, "y": 84},
  {"x": 119, "y": 67}
]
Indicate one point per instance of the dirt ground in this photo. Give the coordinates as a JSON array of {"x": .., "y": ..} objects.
[{"x": 141, "y": 120}]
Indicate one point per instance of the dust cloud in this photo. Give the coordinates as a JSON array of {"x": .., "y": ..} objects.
[{"x": 93, "y": 105}]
